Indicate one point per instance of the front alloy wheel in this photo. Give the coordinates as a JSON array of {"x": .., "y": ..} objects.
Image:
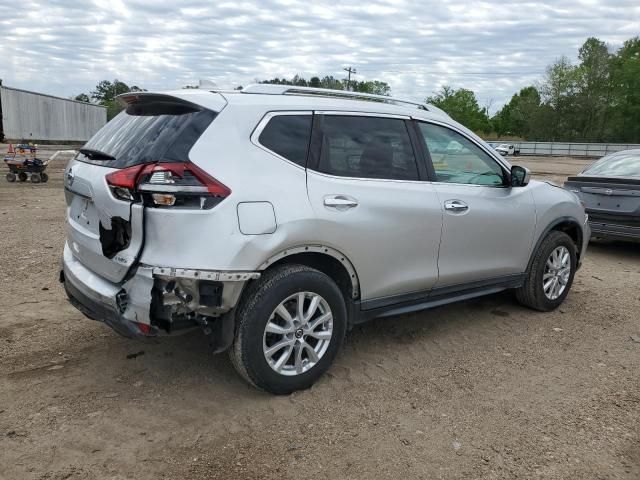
[
  {"x": 556, "y": 274},
  {"x": 550, "y": 274}
]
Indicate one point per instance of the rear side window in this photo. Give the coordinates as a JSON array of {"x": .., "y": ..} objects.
[
  {"x": 157, "y": 129},
  {"x": 288, "y": 136},
  {"x": 367, "y": 147}
]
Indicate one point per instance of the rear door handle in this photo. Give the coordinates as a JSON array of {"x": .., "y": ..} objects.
[
  {"x": 456, "y": 206},
  {"x": 340, "y": 202}
]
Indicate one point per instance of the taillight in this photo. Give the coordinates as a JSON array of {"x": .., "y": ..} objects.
[
  {"x": 180, "y": 184},
  {"x": 123, "y": 182},
  {"x": 143, "y": 327}
]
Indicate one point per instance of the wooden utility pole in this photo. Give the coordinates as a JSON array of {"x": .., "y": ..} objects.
[{"x": 350, "y": 71}]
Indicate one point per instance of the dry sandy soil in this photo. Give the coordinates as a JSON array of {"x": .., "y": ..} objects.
[{"x": 482, "y": 389}]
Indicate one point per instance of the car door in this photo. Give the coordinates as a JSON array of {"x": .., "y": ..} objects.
[
  {"x": 488, "y": 226},
  {"x": 374, "y": 202}
]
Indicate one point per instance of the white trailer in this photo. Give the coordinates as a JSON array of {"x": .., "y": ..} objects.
[{"x": 33, "y": 117}]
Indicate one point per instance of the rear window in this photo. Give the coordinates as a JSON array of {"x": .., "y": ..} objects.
[
  {"x": 367, "y": 147},
  {"x": 288, "y": 136},
  {"x": 150, "y": 131},
  {"x": 622, "y": 164}
]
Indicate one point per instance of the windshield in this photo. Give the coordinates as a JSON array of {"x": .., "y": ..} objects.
[
  {"x": 620, "y": 164},
  {"x": 503, "y": 145}
]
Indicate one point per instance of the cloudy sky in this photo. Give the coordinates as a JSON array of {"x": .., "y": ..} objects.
[{"x": 64, "y": 47}]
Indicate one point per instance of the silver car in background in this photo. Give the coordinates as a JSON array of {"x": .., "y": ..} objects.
[
  {"x": 610, "y": 191},
  {"x": 275, "y": 218}
]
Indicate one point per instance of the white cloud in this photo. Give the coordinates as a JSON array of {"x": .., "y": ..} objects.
[{"x": 493, "y": 47}]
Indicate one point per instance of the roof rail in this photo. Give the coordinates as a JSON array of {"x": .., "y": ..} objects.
[{"x": 271, "y": 89}]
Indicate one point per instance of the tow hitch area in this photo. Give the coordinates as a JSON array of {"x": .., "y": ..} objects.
[{"x": 191, "y": 298}]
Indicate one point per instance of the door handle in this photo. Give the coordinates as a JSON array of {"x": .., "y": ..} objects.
[
  {"x": 340, "y": 202},
  {"x": 456, "y": 206}
]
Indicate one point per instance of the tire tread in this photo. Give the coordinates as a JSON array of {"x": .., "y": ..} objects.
[
  {"x": 251, "y": 298},
  {"x": 528, "y": 295}
]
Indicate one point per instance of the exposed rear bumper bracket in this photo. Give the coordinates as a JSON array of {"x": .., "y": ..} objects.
[{"x": 214, "y": 275}]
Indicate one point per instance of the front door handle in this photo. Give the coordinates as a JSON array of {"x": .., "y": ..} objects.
[
  {"x": 340, "y": 202},
  {"x": 456, "y": 206}
]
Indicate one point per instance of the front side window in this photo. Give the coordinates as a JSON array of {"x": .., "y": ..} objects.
[
  {"x": 288, "y": 136},
  {"x": 458, "y": 160},
  {"x": 367, "y": 147}
]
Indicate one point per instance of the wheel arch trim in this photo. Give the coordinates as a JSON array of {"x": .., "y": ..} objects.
[
  {"x": 324, "y": 250},
  {"x": 552, "y": 226}
]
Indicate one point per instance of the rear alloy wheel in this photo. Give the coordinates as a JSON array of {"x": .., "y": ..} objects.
[
  {"x": 22, "y": 176},
  {"x": 551, "y": 273},
  {"x": 298, "y": 333},
  {"x": 291, "y": 324},
  {"x": 11, "y": 177}
]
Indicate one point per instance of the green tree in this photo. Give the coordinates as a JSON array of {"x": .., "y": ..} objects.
[
  {"x": 520, "y": 115},
  {"x": 626, "y": 92},
  {"x": 106, "y": 92},
  {"x": 593, "y": 96},
  {"x": 559, "y": 91},
  {"x": 373, "y": 86},
  {"x": 82, "y": 97},
  {"x": 463, "y": 107}
]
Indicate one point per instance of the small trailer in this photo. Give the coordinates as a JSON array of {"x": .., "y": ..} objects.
[{"x": 23, "y": 164}]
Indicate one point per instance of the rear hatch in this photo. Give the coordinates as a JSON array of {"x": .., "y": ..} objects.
[
  {"x": 140, "y": 159},
  {"x": 608, "y": 199}
]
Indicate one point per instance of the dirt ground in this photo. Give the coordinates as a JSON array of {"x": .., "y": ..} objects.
[{"x": 482, "y": 389}]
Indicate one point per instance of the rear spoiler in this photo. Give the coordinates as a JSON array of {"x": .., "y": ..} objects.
[
  {"x": 180, "y": 101},
  {"x": 139, "y": 103},
  {"x": 608, "y": 180}
]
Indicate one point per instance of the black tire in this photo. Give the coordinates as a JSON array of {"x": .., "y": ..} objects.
[
  {"x": 532, "y": 294},
  {"x": 22, "y": 176},
  {"x": 11, "y": 177},
  {"x": 256, "y": 306},
  {"x": 45, "y": 177},
  {"x": 35, "y": 178}
]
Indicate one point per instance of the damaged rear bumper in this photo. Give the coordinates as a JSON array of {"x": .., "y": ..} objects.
[{"x": 153, "y": 300}]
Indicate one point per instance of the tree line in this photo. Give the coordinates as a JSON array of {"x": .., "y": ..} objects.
[
  {"x": 596, "y": 99},
  {"x": 375, "y": 87}
]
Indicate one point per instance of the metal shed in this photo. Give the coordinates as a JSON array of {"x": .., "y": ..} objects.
[{"x": 34, "y": 116}]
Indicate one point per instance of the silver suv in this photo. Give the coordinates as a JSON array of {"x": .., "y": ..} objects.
[{"x": 275, "y": 218}]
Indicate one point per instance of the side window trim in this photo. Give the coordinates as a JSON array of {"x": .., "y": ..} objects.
[
  {"x": 264, "y": 121},
  {"x": 315, "y": 145},
  {"x": 313, "y": 157},
  {"x": 429, "y": 161},
  {"x": 425, "y": 167}
]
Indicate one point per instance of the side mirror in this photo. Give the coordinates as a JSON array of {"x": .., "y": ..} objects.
[{"x": 520, "y": 176}]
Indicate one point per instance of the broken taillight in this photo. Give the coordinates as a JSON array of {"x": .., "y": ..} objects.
[
  {"x": 143, "y": 327},
  {"x": 179, "y": 184}
]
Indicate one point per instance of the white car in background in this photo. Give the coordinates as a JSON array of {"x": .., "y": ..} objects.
[{"x": 505, "y": 149}]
